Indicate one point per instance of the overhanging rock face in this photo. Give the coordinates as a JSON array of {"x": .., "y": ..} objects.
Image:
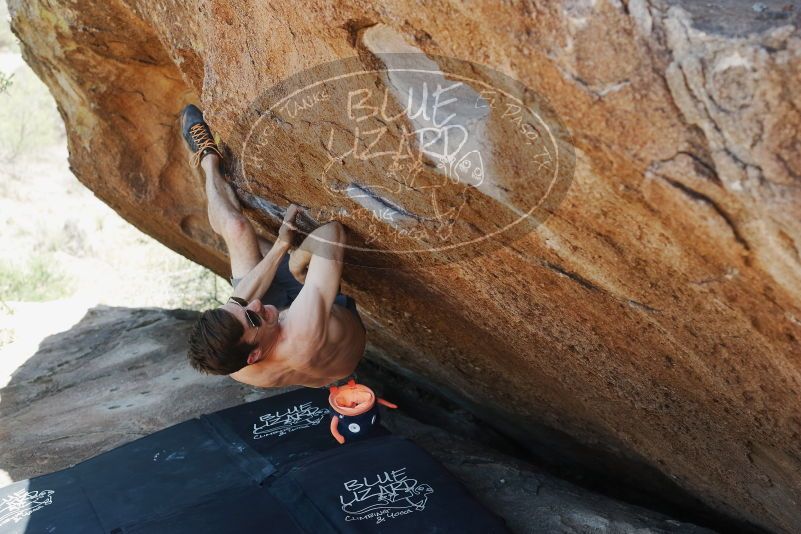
[{"x": 644, "y": 301}]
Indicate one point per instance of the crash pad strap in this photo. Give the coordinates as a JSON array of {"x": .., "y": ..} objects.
[
  {"x": 304, "y": 512},
  {"x": 253, "y": 463}
]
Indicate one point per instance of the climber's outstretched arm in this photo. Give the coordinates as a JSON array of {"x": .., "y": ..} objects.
[
  {"x": 259, "y": 278},
  {"x": 256, "y": 282},
  {"x": 307, "y": 317}
]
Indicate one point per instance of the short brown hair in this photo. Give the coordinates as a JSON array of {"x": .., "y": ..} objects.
[{"x": 215, "y": 345}]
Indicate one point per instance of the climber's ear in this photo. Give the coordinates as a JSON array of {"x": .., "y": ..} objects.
[{"x": 254, "y": 356}]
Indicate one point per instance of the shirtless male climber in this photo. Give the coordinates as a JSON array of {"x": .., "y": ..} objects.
[{"x": 278, "y": 328}]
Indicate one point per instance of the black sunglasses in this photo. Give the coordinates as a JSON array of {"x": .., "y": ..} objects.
[{"x": 253, "y": 319}]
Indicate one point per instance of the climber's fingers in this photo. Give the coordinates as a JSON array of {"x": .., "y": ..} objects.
[{"x": 287, "y": 231}]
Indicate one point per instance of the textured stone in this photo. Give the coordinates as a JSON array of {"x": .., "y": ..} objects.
[
  {"x": 118, "y": 375},
  {"x": 529, "y": 500},
  {"x": 653, "y": 317}
]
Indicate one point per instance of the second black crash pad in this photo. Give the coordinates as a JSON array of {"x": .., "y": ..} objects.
[{"x": 269, "y": 465}]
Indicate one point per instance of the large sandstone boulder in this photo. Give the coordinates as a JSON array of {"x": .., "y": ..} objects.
[{"x": 646, "y": 306}]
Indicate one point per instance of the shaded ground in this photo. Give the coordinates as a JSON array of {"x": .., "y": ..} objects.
[{"x": 120, "y": 374}]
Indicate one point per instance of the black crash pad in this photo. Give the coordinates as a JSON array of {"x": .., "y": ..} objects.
[
  {"x": 49, "y": 503},
  {"x": 385, "y": 484},
  {"x": 283, "y": 429},
  {"x": 265, "y": 466}
]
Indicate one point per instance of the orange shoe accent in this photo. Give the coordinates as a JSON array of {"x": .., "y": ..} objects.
[{"x": 200, "y": 135}]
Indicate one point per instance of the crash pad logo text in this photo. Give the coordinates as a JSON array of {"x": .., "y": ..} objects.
[
  {"x": 284, "y": 422},
  {"x": 21, "y": 504},
  {"x": 384, "y": 496}
]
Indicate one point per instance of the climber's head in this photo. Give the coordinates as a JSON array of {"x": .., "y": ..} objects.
[{"x": 228, "y": 338}]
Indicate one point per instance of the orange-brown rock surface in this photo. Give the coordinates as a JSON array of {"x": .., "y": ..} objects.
[{"x": 653, "y": 316}]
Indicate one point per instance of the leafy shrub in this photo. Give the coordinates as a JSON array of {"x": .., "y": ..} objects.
[{"x": 36, "y": 280}]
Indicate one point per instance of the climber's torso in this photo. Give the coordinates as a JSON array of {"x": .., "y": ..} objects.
[{"x": 289, "y": 363}]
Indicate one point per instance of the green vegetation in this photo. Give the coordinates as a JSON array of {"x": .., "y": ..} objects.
[
  {"x": 59, "y": 241},
  {"x": 8, "y": 41},
  {"x": 5, "y": 81},
  {"x": 36, "y": 280},
  {"x": 28, "y": 117}
]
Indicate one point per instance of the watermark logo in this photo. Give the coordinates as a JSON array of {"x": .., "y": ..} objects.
[
  {"x": 384, "y": 496},
  {"x": 432, "y": 157},
  {"x": 283, "y": 422}
]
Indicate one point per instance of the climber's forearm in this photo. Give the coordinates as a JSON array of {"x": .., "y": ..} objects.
[{"x": 255, "y": 283}]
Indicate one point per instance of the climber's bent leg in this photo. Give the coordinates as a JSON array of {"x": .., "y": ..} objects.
[{"x": 226, "y": 218}]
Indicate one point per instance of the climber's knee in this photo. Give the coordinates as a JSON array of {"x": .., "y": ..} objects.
[
  {"x": 236, "y": 228},
  {"x": 243, "y": 245}
]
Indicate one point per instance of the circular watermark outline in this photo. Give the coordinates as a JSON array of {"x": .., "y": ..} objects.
[{"x": 271, "y": 101}]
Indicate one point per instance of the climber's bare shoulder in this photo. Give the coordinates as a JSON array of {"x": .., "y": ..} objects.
[
  {"x": 296, "y": 361},
  {"x": 271, "y": 374}
]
